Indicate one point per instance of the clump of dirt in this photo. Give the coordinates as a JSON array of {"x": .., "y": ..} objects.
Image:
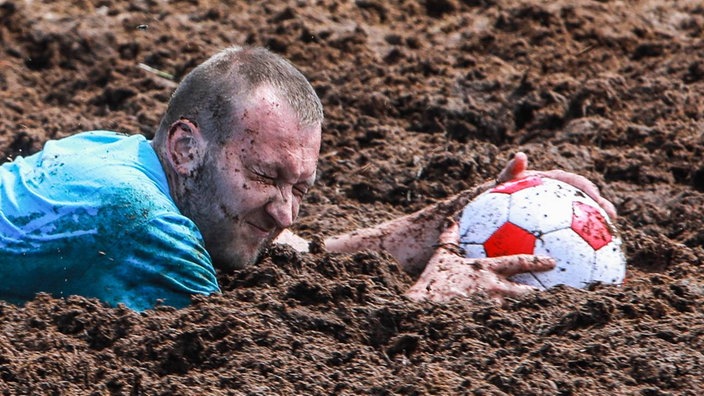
[{"x": 423, "y": 99}]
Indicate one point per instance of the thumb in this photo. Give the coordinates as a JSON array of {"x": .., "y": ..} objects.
[{"x": 515, "y": 168}]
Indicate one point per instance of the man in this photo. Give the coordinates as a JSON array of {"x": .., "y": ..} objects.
[{"x": 142, "y": 223}]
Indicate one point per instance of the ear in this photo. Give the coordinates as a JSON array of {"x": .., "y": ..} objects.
[{"x": 185, "y": 146}]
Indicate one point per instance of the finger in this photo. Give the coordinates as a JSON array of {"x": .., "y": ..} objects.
[
  {"x": 509, "y": 289},
  {"x": 519, "y": 263},
  {"x": 451, "y": 234},
  {"x": 608, "y": 207},
  {"x": 512, "y": 289},
  {"x": 573, "y": 179},
  {"x": 514, "y": 169}
]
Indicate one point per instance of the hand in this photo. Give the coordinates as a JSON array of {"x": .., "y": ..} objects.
[
  {"x": 517, "y": 169},
  {"x": 450, "y": 275}
]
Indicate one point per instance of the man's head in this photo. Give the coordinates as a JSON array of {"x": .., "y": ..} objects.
[{"x": 239, "y": 144}]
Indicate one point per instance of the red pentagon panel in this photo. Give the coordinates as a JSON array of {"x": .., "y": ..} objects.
[
  {"x": 511, "y": 187},
  {"x": 509, "y": 239},
  {"x": 589, "y": 224}
]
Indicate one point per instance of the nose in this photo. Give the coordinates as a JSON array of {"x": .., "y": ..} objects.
[{"x": 283, "y": 208}]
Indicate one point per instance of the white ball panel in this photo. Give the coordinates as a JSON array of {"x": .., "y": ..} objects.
[
  {"x": 574, "y": 258},
  {"x": 610, "y": 264},
  {"x": 473, "y": 250},
  {"x": 542, "y": 208},
  {"x": 481, "y": 217}
]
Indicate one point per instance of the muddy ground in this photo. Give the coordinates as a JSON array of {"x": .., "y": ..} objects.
[{"x": 423, "y": 99}]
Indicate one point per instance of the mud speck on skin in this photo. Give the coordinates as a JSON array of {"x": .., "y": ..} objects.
[{"x": 430, "y": 98}]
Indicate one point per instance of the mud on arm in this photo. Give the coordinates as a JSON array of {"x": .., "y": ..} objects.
[{"x": 411, "y": 239}]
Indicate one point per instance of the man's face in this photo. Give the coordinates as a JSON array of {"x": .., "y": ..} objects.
[{"x": 252, "y": 187}]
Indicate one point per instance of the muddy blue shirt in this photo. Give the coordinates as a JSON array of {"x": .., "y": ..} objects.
[{"x": 91, "y": 215}]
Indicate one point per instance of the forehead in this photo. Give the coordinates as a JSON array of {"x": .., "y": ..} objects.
[{"x": 268, "y": 131}]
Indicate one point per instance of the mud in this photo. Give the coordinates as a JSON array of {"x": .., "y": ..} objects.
[{"x": 423, "y": 99}]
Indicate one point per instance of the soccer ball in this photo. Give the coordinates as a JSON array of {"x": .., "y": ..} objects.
[{"x": 546, "y": 217}]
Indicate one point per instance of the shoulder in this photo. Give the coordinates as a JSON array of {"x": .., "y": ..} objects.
[
  {"x": 83, "y": 184},
  {"x": 162, "y": 259},
  {"x": 91, "y": 140},
  {"x": 118, "y": 174},
  {"x": 169, "y": 249}
]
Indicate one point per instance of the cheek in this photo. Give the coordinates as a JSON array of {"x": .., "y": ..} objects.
[{"x": 251, "y": 194}]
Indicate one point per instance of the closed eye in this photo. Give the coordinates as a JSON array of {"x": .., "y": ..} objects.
[
  {"x": 262, "y": 177},
  {"x": 300, "y": 189}
]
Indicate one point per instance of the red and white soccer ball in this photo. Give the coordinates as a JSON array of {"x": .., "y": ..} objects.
[{"x": 545, "y": 217}]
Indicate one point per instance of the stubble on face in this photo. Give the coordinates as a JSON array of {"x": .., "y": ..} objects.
[
  {"x": 203, "y": 201},
  {"x": 229, "y": 195}
]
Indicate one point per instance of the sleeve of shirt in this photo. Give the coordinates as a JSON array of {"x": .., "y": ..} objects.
[{"x": 167, "y": 263}]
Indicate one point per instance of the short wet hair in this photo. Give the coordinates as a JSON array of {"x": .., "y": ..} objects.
[{"x": 210, "y": 93}]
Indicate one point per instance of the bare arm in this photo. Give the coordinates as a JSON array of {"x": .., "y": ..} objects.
[
  {"x": 410, "y": 239},
  {"x": 417, "y": 242}
]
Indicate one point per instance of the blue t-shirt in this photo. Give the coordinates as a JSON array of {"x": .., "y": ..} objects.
[{"x": 91, "y": 215}]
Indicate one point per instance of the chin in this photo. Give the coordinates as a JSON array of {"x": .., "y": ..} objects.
[
  {"x": 236, "y": 259},
  {"x": 241, "y": 255}
]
